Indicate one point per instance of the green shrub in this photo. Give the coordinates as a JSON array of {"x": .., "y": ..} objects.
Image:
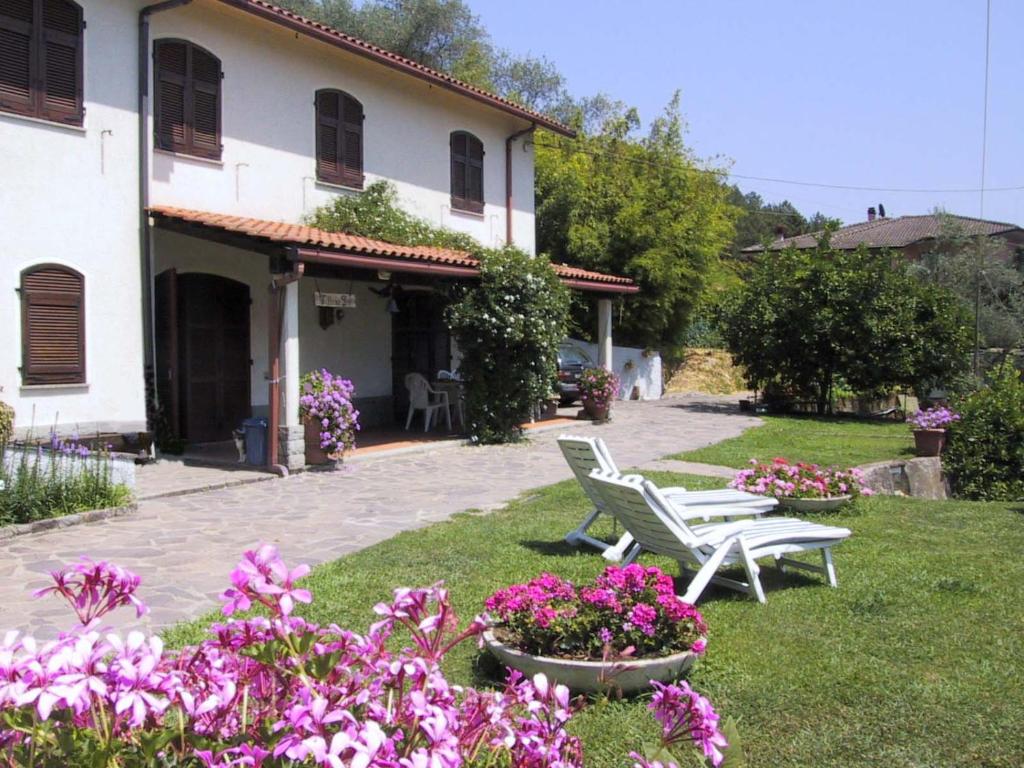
[
  {"x": 508, "y": 327},
  {"x": 985, "y": 454},
  {"x": 6, "y": 423}
]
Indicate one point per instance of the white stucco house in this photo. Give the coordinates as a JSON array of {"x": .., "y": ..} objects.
[{"x": 158, "y": 164}]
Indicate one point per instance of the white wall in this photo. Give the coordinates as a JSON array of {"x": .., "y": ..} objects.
[
  {"x": 645, "y": 372},
  {"x": 69, "y": 195},
  {"x": 268, "y": 164}
]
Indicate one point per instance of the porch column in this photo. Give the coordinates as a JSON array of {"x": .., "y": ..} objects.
[
  {"x": 604, "y": 333},
  {"x": 291, "y": 434}
]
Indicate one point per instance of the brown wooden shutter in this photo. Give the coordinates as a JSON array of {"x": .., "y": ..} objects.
[
  {"x": 339, "y": 138},
  {"x": 467, "y": 172},
  {"x": 205, "y": 104},
  {"x": 328, "y": 113},
  {"x": 17, "y": 60},
  {"x": 52, "y": 326},
  {"x": 172, "y": 80},
  {"x": 187, "y": 112},
  {"x": 60, "y": 65},
  {"x": 352, "y": 141}
]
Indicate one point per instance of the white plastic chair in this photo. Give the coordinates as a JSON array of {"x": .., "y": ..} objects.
[
  {"x": 423, "y": 397},
  {"x": 665, "y": 529},
  {"x": 585, "y": 454}
]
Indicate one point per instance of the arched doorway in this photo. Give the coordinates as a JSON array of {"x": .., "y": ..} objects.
[{"x": 203, "y": 351}]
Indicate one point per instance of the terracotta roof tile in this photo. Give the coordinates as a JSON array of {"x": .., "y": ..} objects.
[
  {"x": 302, "y": 235},
  {"x": 393, "y": 60},
  {"x": 897, "y": 232}
]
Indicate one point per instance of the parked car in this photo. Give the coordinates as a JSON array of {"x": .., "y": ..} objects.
[{"x": 572, "y": 360}]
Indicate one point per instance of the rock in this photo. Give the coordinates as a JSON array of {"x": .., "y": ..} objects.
[{"x": 920, "y": 477}]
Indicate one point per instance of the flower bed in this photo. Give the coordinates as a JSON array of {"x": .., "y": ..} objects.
[
  {"x": 630, "y": 612},
  {"x": 276, "y": 690},
  {"x": 783, "y": 480},
  {"x": 40, "y": 483}
]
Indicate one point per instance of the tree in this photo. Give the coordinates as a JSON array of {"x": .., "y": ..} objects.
[
  {"x": 807, "y": 319},
  {"x": 978, "y": 268},
  {"x": 641, "y": 207}
]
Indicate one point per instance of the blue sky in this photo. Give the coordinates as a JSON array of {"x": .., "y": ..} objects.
[{"x": 852, "y": 92}]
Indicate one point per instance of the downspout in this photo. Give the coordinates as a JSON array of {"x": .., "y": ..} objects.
[
  {"x": 145, "y": 246},
  {"x": 508, "y": 179}
]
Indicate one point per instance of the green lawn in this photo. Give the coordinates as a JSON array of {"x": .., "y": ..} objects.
[
  {"x": 845, "y": 442},
  {"x": 913, "y": 661}
]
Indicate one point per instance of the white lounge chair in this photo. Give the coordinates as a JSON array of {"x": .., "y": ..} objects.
[
  {"x": 585, "y": 454},
  {"x": 664, "y": 528},
  {"x": 423, "y": 397}
]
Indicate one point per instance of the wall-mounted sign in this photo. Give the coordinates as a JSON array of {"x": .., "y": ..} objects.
[{"x": 337, "y": 300}]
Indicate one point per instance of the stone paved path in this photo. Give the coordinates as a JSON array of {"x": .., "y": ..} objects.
[{"x": 184, "y": 547}]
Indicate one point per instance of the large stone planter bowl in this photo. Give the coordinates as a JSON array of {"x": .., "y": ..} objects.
[
  {"x": 594, "y": 676},
  {"x": 815, "y": 505},
  {"x": 929, "y": 442}
]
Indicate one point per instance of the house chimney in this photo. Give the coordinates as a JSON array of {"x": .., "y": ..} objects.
[
  {"x": 780, "y": 232},
  {"x": 881, "y": 211},
  {"x": 871, "y": 213}
]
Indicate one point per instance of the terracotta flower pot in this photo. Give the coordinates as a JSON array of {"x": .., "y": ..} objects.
[
  {"x": 629, "y": 676},
  {"x": 929, "y": 442},
  {"x": 596, "y": 412},
  {"x": 314, "y": 453}
]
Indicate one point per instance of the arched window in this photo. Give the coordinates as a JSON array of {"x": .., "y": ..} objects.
[
  {"x": 52, "y": 325},
  {"x": 467, "y": 172},
  {"x": 187, "y": 104},
  {"x": 41, "y": 59},
  {"x": 339, "y": 138}
]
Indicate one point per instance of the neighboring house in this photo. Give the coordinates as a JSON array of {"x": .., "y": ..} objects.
[
  {"x": 911, "y": 235},
  {"x": 157, "y": 164}
]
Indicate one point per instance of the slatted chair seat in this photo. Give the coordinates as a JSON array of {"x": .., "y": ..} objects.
[
  {"x": 657, "y": 526},
  {"x": 585, "y": 454}
]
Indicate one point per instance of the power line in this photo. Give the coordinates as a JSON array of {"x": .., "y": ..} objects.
[{"x": 561, "y": 144}]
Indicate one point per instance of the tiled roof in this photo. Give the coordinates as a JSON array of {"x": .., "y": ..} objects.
[
  {"x": 896, "y": 232},
  {"x": 311, "y": 237},
  {"x": 393, "y": 60}
]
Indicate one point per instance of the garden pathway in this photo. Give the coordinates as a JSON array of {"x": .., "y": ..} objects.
[{"x": 184, "y": 547}]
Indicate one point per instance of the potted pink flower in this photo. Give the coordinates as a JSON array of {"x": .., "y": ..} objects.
[
  {"x": 623, "y": 630},
  {"x": 801, "y": 486},
  {"x": 929, "y": 428},
  {"x": 331, "y": 420},
  {"x": 598, "y": 388}
]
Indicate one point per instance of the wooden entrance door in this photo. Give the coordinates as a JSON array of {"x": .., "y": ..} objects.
[
  {"x": 214, "y": 363},
  {"x": 420, "y": 342}
]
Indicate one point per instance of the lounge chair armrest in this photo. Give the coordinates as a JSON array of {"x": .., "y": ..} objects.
[{"x": 709, "y": 512}]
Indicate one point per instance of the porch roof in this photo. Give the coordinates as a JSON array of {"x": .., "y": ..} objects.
[{"x": 320, "y": 246}]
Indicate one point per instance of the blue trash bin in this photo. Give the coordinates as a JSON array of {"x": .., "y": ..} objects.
[{"x": 255, "y": 441}]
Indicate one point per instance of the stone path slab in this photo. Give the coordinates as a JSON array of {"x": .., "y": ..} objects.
[{"x": 184, "y": 547}]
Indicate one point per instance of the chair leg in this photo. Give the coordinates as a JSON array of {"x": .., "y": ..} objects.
[
  {"x": 428, "y": 416},
  {"x": 620, "y": 549},
  {"x": 753, "y": 573},
  {"x": 703, "y": 576},
  {"x": 408, "y": 419},
  {"x": 575, "y": 536},
  {"x": 830, "y": 569}
]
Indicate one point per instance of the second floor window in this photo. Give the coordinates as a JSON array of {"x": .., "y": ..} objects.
[
  {"x": 467, "y": 172},
  {"x": 187, "y": 99},
  {"x": 339, "y": 138},
  {"x": 41, "y": 59}
]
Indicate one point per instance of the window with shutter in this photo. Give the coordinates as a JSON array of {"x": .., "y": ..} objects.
[
  {"x": 41, "y": 59},
  {"x": 339, "y": 138},
  {"x": 187, "y": 115},
  {"x": 467, "y": 153},
  {"x": 52, "y": 325}
]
